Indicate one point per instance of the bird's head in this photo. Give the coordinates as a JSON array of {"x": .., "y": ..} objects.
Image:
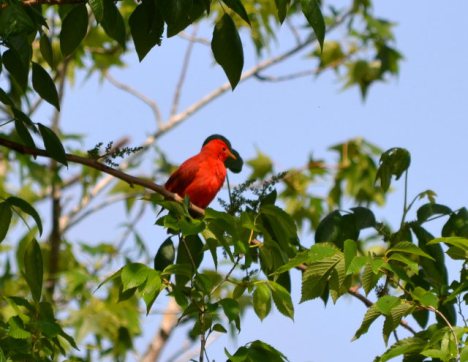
[
  {"x": 234, "y": 164},
  {"x": 219, "y": 149}
]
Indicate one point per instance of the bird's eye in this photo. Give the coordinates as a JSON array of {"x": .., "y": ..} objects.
[{"x": 224, "y": 148}]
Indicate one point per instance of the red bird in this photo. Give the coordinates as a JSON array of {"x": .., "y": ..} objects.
[{"x": 201, "y": 176}]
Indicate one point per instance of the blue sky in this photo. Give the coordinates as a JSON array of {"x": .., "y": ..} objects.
[{"x": 424, "y": 110}]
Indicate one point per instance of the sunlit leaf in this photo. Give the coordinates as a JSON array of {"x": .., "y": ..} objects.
[{"x": 262, "y": 300}]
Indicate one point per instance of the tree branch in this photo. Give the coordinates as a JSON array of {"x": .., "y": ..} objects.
[
  {"x": 131, "y": 180},
  {"x": 126, "y": 88},
  {"x": 183, "y": 73},
  {"x": 182, "y": 116},
  {"x": 168, "y": 323}
]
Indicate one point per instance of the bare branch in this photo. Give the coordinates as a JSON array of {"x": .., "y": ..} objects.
[
  {"x": 126, "y": 88},
  {"x": 168, "y": 323},
  {"x": 183, "y": 73},
  {"x": 283, "y": 78},
  {"x": 131, "y": 180},
  {"x": 194, "y": 39},
  {"x": 182, "y": 116}
]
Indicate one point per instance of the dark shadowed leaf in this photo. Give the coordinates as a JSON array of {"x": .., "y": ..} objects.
[
  {"x": 147, "y": 26},
  {"x": 74, "y": 28},
  {"x": 27, "y": 208},
  {"x": 227, "y": 49},
  {"x": 16, "y": 67},
  {"x": 53, "y": 145},
  {"x": 113, "y": 23},
  {"x": 33, "y": 269},
  {"x": 46, "y": 50},
  {"x": 24, "y": 134},
  {"x": 232, "y": 310},
  {"x": 282, "y": 9},
  {"x": 44, "y": 85},
  {"x": 179, "y": 14},
  {"x": 238, "y": 8},
  {"x": 5, "y": 219},
  {"x": 393, "y": 162},
  {"x": 189, "y": 252},
  {"x": 97, "y": 6},
  {"x": 431, "y": 209},
  {"x": 364, "y": 217},
  {"x": 313, "y": 14},
  {"x": 165, "y": 255}
]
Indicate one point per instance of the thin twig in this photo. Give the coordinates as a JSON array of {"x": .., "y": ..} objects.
[
  {"x": 131, "y": 180},
  {"x": 441, "y": 315},
  {"x": 194, "y": 39},
  {"x": 168, "y": 323},
  {"x": 287, "y": 77},
  {"x": 148, "y": 101},
  {"x": 195, "y": 107},
  {"x": 183, "y": 73}
]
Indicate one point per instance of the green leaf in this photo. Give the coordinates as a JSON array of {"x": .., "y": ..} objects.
[
  {"x": 371, "y": 315},
  {"x": 364, "y": 217},
  {"x": 350, "y": 252},
  {"x": 232, "y": 310},
  {"x": 394, "y": 162},
  {"x": 5, "y": 98},
  {"x": 282, "y": 299},
  {"x": 456, "y": 241},
  {"x": 53, "y": 145},
  {"x": 369, "y": 278},
  {"x": 165, "y": 255},
  {"x": 16, "y": 67},
  {"x": 227, "y": 49},
  {"x": 386, "y": 303},
  {"x": 238, "y": 8},
  {"x": 178, "y": 14},
  {"x": 261, "y": 166},
  {"x": 113, "y": 23},
  {"x": 457, "y": 224},
  {"x": 425, "y": 297},
  {"x": 282, "y": 9},
  {"x": 262, "y": 300},
  {"x": 431, "y": 209},
  {"x": 151, "y": 289},
  {"x": 394, "y": 316},
  {"x": 313, "y": 14},
  {"x": 33, "y": 269},
  {"x": 97, "y": 6},
  {"x": 219, "y": 328},
  {"x": 408, "y": 248},
  {"x": 5, "y": 219},
  {"x": 45, "y": 47},
  {"x": 405, "y": 346},
  {"x": 44, "y": 85},
  {"x": 315, "y": 278},
  {"x": 24, "y": 134},
  {"x": 147, "y": 26},
  {"x": 190, "y": 252},
  {"x": 133, "y": 275},
  {"x": 27, "y": 208},
  {"x": 16, "y": 329},
  {"x": 74, "y": 28}
]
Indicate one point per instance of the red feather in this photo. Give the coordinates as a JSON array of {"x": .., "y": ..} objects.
[{"x": 201, "y": 176}]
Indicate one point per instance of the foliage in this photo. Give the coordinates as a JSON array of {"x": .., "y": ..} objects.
[{"x": 50, "y": 307}]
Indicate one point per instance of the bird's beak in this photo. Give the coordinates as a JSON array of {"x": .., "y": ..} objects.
[{"x": 230, "y": 154}]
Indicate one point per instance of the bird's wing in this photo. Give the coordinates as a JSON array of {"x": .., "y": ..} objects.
[{"x": 183, "y": 176}]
